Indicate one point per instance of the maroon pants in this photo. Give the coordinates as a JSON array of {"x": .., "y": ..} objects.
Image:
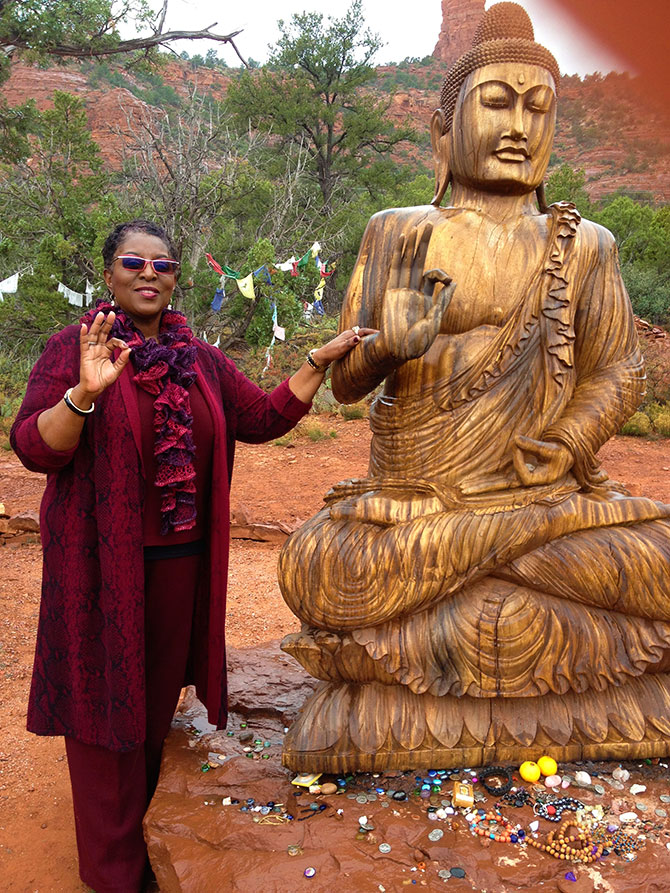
[{"x": 111, "y": 790}]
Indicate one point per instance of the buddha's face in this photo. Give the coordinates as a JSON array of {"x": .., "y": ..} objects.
[{"x": 503, "y": 128}]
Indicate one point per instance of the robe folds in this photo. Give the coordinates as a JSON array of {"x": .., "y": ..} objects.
[
  {"x": 88, "y": 676},
  {"x": 394, "y": 557}
]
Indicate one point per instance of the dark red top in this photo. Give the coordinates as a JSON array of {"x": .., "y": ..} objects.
[{"x": 88, "y": 676}]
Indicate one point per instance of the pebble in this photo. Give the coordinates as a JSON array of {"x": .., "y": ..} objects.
[
  {"x": 582, "y": 778},
  {"x": 446, "y": 874},
  {"x": 458, "y": 872},
  {"x": 329, "y": 788},
  {"x": 638, "y": 789},
  {"x": 436, "y": 834},
  {"x": 553, "y": 781},
  {"x": 621, "y": 774},
  {"x": 628, "y": 817},
  {"x": 400, "y": 795}
]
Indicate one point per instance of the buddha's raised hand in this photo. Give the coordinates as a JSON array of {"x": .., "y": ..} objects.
[{"x": 413, "y": 308}]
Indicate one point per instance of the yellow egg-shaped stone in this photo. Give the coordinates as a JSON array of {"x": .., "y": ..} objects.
[
  {"x": 529, "y": 771},
  {"x": 547, "y": 765}
]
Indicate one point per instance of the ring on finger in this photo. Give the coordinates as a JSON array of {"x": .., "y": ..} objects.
[
  {"x": 355, "y": 329},
  {"x": 92, "y": 343}
]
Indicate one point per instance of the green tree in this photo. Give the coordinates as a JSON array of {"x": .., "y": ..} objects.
[
  {"x": 57, "y": 203},
  {"x": 313, "y": 97},
  {"x": 566, "y": 184},
  {"x": 47, "y": 30}
]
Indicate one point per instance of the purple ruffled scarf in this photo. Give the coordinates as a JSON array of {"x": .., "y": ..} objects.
[{"x": 165, "y": 369}]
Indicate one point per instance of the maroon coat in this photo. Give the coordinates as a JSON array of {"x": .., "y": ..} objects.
[{"x": 88, "y": 676}]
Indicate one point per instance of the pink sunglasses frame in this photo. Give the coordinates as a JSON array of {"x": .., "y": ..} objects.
[{"x": 149, "y": 261}]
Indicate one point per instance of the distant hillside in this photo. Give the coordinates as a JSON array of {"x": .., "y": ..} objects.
[{"x": 603, "y": 127}]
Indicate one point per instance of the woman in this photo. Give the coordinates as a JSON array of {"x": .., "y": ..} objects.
[{"x": 135, "y": 421}]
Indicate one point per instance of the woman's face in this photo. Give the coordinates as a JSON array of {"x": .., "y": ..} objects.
[{"x": 142, "y": 294}]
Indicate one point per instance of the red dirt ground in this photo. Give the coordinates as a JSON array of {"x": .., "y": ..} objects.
[{"x": 274, "y": 483}]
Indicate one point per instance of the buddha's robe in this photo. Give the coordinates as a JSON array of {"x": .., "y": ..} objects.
[{"x": 394, "y": 558}]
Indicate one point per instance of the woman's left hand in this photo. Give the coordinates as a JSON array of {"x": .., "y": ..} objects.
[{"x": 340, "y": 345}]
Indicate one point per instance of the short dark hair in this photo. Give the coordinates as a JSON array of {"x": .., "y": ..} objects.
[{"x": 118, "y": 234}]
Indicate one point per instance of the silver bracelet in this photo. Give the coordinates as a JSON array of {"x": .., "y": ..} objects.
[
  {"x": 317, "y": 367},
  {"x": 71, "y": 405}
]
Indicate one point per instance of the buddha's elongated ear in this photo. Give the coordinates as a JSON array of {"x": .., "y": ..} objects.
[
  {"x": 541, "y": 199},
  {"x": 440, "y": 142}
]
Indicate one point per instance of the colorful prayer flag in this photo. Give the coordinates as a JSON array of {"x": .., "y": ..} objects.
[
  {"x": 246, "y": 286},
  {"x": 218, "y": 299}
]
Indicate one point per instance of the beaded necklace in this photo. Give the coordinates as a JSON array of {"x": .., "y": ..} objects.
[
  {"x": 495, "y": 826},
  {"x": 554, "y": 809},
  {"x": 575, "y": 847}
]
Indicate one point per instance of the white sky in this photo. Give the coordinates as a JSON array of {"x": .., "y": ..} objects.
[{"x": 407, "y": 29}]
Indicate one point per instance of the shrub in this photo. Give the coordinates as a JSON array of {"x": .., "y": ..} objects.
[
  {"x": 638, "y": 425},
  {"x": 354, "y": 411},
  {"x": 662, "y": 423},
  {"x": 314, "y": 431},
  {"x": 657, "y": 365},
  {"x": 654, "y": 410}
]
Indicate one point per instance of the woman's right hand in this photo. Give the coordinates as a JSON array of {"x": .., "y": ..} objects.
[
  {"x": 413, "y": 311},
  {"x": 96, "y": 368}
]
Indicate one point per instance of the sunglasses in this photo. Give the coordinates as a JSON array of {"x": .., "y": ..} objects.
[{"x": 137, "y": 264}]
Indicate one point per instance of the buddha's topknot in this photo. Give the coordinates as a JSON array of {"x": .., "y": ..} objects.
[{"x": 505, "y": 34}]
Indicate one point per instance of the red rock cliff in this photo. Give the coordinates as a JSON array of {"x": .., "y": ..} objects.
[{"x": 459, "y": 23}]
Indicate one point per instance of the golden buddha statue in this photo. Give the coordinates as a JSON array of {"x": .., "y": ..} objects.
[{"x": 486, "y": 593}]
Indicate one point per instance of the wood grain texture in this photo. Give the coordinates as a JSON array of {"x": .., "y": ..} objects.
[{"x": 486, "y": 591}]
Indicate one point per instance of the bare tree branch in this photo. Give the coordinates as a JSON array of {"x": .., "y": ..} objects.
[{"x": 158, "y": 38}]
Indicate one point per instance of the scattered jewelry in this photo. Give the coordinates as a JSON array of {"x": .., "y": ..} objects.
[
  {"x": 499, "y": 828},
  {"x": 502, "y": 780},
  {"x": 576, "y": 847},
  {"x": 554, "y": 809}
]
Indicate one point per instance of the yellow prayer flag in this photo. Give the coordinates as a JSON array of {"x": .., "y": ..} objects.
[
  {"x": 318, "y": 291},
  {"x": 246, "y": 286}
]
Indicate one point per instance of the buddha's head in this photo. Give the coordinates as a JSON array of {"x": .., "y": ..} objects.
[{"x": 495, "y": 125}]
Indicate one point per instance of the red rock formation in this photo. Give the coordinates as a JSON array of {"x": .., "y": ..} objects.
[
  {"x": 604, "y": 125},
  {"x": 459, "y": 23}
]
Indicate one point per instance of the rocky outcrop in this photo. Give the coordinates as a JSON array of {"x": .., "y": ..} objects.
[{"x": 459, "y": 23}]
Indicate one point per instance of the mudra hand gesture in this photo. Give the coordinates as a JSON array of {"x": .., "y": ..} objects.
[
  {"x": 97, "y": 371},
  {"x": 413, "y": 310},
  {"x": 540, "y": 462}
]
